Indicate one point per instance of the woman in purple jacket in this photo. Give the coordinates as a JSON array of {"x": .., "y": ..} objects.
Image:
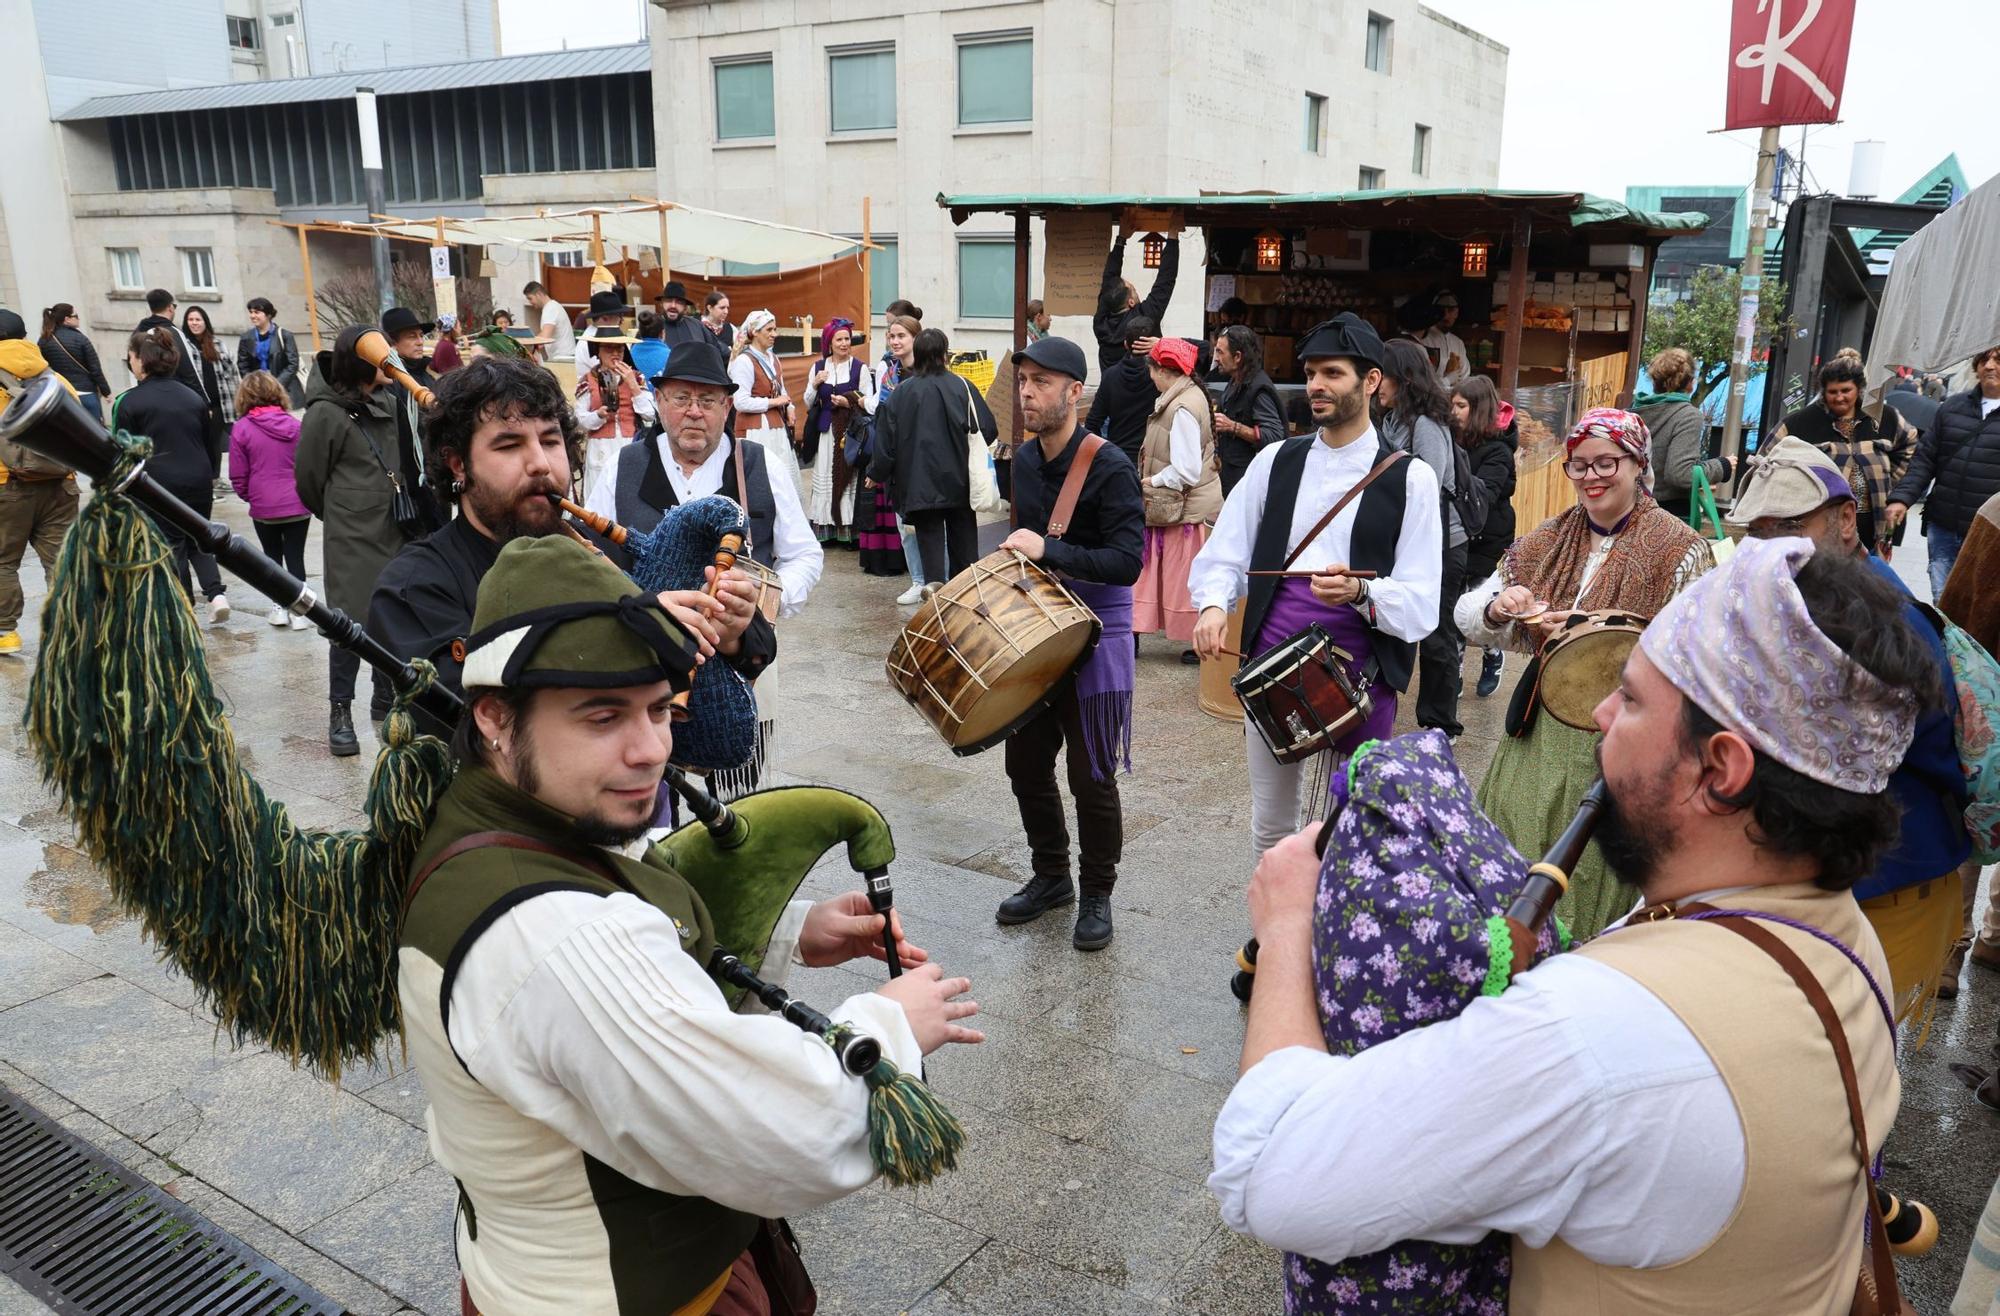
[{"x": 263, "y": 444}]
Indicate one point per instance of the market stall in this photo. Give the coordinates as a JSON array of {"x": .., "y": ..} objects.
[{"x": 1550, "y": 286}]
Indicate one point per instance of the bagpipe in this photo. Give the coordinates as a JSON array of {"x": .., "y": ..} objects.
[{"x": 290, "y": 934}]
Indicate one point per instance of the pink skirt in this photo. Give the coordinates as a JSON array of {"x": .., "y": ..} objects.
[{"x": 1160, "y": 601}]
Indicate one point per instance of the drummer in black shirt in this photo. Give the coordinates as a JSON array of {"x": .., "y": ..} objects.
[{"x": 1090, "y": 717}]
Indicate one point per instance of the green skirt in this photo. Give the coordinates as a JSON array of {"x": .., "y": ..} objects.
[{"x": 1531, "y": 792}]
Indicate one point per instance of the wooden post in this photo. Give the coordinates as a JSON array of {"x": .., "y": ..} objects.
[
  {"x": 1641, "y": 292},
  {"x": 443, "y": 291},
  {"x": 312, "y": 303},
  {"x": 867, "y": 317},
  {"x": 1020, "y": 311},
  {"x": 1517, "y": 285},
  {"x": 666, "y": 261}
]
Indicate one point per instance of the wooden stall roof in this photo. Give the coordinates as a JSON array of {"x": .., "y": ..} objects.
[{"x": 1445, "y": 210}]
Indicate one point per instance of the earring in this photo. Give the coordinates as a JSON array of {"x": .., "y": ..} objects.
[
  {"x": 496, "y": 744},
  {"x": 457, "y": 487}
]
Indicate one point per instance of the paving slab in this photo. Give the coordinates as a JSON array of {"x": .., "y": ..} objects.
[
  {"x": 107, "y": 1045},
  {"x": 401, "y": 1237}
]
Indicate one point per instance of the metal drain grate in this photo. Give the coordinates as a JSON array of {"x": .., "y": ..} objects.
[{"x": 86, "y": 1235}]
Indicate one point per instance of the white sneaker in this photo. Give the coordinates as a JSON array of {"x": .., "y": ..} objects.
[
  {"x": 277, "y": 616},
  {"x": 218, "y": 609},
  {"x": 912, "y": 596},
  {"x": 300, "y": 623}
]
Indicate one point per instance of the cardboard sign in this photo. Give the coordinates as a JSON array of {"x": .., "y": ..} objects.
[
  {"x": 1140, "y": 219},
  {"x": 1073, "y": 261}
]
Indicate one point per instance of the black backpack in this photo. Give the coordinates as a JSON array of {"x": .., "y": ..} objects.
[{"x": 1468, "y": 496}]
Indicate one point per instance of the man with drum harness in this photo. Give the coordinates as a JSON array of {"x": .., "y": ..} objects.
[
  {"x": 1335, "y": 502},
  {"x": 622, "y": 1140},
  {"x": 692, "y": 455},
  {"x": 1679, "y": 1116},
  {"x": 1077, "y": 511}
]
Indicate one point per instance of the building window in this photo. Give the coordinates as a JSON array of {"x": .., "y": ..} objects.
[
  {"x": 1371, "y": 179},
  {"x": 738, "y": 269},
  {"x": 243, "y": 34},
  {"x": 1420, "y": 153},
  {"x": 861, "y": 89},
  {"x": 1315, "y": 124},
  {"x": 986, "y": 279},
  {"x": 198, "y": 269},
  {"x": 885, "y": 282},
  {"x": 996, "y": 79},
  {"x": 127, "y": 274},
  {"x": 743, "y": 104},
  {"x": 574, "y": 259},
  {"x": 1376, "y": 56}
]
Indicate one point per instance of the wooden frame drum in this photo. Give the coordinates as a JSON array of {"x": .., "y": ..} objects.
[{"x": 1583, "y": 662}]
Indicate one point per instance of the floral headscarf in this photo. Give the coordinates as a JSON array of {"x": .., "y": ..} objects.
[
  {"x": 758, "y": 321},
  {"x": 1622, "y": 428},
  {"x": 1174, "y": 353}
]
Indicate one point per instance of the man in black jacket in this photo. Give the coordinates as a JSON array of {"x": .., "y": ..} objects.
[
  {"x": 161, "y": 303},
  {"x": 1248, "y": 415},
  {"x": 1098, "y": 550},
  {"x": 1125, "y": 391},
  {"x": 678, "y": 324},
  {"x": 1956, "y": 469},
  {"x": 1118, "y": 300},
  {"x": 501, "y": 436}
]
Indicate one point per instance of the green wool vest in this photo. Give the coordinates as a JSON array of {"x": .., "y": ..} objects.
[{"x": 663, "y": 1250}]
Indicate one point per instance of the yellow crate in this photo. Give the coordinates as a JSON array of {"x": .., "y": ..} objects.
[{"x": 976, "y": 368}]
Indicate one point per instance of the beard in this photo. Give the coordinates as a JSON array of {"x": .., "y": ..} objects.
[
  {"x": 1632, "y": 836},
  {"x": 590, "y": 828},
  {"x": 1054, "y": 421},
  {"x": 521, "y": 514},
  {"x": 1346, "y": 406}
]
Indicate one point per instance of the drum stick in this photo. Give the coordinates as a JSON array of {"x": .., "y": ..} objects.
[{"x": 1351, "y": 575}]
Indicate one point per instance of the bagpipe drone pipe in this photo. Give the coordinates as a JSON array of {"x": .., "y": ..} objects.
[{"x": 289, "y": 934}]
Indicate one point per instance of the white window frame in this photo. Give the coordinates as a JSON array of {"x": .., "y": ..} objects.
[
  {"x": 137, "y": 283},
  {"x": 256, "y": 46},
  {"x": 1379, "y": 56},
  {"x": 1316, "y": 107},
  {"x": 1381, "y": 179},
  {"x": 960, "y": 43},
  {"x": 958, "y": 284},
  {"x": 715, "y": 67},
  {"x": 836, "y": 53},
  {"x": 192, "y": 261},
  {"x": 1420, "y": 150}
]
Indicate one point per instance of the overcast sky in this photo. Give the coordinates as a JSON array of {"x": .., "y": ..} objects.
[{"x": 1598, "y": 99}]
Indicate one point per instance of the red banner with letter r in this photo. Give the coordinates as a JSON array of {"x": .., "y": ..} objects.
[{"x": 1787, "y": 61}]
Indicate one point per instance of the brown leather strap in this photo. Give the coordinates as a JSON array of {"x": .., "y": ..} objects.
[
  {"x": 1345, "y": 499},
  {"x": 1882, "y": 1265},
  {"x": 1072, "y": 486},
  {"x": 507, "y": 841},
  {"x": 743, "y": 493}
]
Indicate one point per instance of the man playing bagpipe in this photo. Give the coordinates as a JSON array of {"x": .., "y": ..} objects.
[
  {"x": 1671, "y": 1119},
  {"x": 622, "y": 1140}
]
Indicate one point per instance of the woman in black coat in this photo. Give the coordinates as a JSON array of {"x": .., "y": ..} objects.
[
  {"x": 920, "y": 444},
  {"x": 70, "y": 353},
  {"x": 176, "y": 419},
  {"x": 1484, "y": 426}
]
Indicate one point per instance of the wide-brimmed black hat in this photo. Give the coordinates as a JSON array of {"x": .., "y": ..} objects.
[
  {"x": 696, "y": 363},
  {"x": 401, "y": 319},
  {"x": 675, "y": 291},
  {"x": 608, "y": 303}
]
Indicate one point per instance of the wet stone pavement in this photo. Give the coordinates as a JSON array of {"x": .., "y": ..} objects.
[{"x": 1088, "y": 1109}]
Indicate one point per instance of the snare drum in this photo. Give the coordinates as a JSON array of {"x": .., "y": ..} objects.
[
  {"x": 1301, "y": 696},
  {"x": 1583, "y": 662},
  {"x": 770, "y": 589},
  {"x": 983, "y": 654}
]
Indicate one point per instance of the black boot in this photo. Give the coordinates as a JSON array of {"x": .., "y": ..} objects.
[
  {"x": 1093, "y": 923},
  {"x": 1041, "y": 895},
  {"x": 1489, "y": 673},
  {"x": 340, "y": 738}
]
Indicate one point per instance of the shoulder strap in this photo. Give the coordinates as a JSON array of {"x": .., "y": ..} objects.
[
  {"x": 56, "y": 338},
  {"x": 1879, "y": 1279},
  {"x": 354, "y": 416},
  {"x": 507, "y": 841},
  {"x": 743, "y": 497},
  {"x": 1345, "y": 499},
  {"x": 1072, "y": 485}
]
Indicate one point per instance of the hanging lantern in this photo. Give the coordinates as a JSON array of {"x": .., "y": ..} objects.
[
  {"x": 1478, "y": 259},
  {"x": 1155, "y": 248},
  {"x": 1270, "y": 250}
]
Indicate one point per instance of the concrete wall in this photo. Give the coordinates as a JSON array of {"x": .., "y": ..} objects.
[
  {"x": 1135, "y": 96},
  {"x": 39, "y": 262},
  {"x": 89, "y": 51},
  {"x": 369, "y": 34}
]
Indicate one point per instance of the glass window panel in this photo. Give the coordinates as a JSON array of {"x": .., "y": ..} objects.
[
  {"x": 996, "y": 81},
  {"x": 126, "y": 271},
  {"x": 1315, "y": 123},
  {"x": 743, "y": 104},
  {"x": 642, "y": 122},
  {"x": 738, "y": 268},
  {"x": 862, "y": 87},
  {"x": 618, "y": 114},
  {"x": 986, "y": 279},
  {"x": 885, "y": 282},
  {"x": 198, "y": 269},
  {"x": 1371, "y": 178},
  {"x": 1376, "y": 54},
  {"x": 1420, "y": 152}
]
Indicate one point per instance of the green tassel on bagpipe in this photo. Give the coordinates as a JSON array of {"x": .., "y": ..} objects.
[
  {"x": 288, "y": 935},
  {"x": 912, "y": 1138}
]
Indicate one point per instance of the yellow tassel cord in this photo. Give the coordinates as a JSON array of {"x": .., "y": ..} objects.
[{"x": 288, "y": 935}]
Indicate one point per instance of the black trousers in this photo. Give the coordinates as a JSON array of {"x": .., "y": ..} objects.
[
  {"x": 285, "y": 542},
  {"x": 202, "y": 499},
  {"x": 1442, "y": 651},
  {"x": 1100, "y": 821},
  {"x": 342, "y": 667},
  {"x": 947, "y": 541}
]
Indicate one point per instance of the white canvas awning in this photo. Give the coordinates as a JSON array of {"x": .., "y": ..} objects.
[
  {"x": 1940, "y": 307},
  {"x": 698, "y": 237}
]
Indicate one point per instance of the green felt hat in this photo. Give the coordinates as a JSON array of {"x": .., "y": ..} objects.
[
  {"x": 498, "y": 341},
  {"x": 554, "y": 612}
]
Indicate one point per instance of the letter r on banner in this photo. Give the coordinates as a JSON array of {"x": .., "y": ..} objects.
[{"x": 1787, "y": 61}]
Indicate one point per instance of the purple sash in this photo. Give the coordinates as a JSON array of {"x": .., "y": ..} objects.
[{"x": 1104, "y": 682}]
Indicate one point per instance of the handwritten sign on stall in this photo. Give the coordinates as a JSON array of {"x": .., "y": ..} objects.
[{"x": 1073, "y": 262}]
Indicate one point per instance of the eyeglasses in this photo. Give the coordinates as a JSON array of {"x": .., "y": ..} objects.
[
  {"x": 697, "y": 401},
  {"x": 1576, "y": 467}
]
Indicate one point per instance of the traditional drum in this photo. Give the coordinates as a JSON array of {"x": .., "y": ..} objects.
[
  {"x": 1583, "y": 662},
  {"x": 1300, "y": 696},
  {"x": 983, "y": 655},
  {"x": 770, "y": 589},
  {"x": 1217, "y": 699}
]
